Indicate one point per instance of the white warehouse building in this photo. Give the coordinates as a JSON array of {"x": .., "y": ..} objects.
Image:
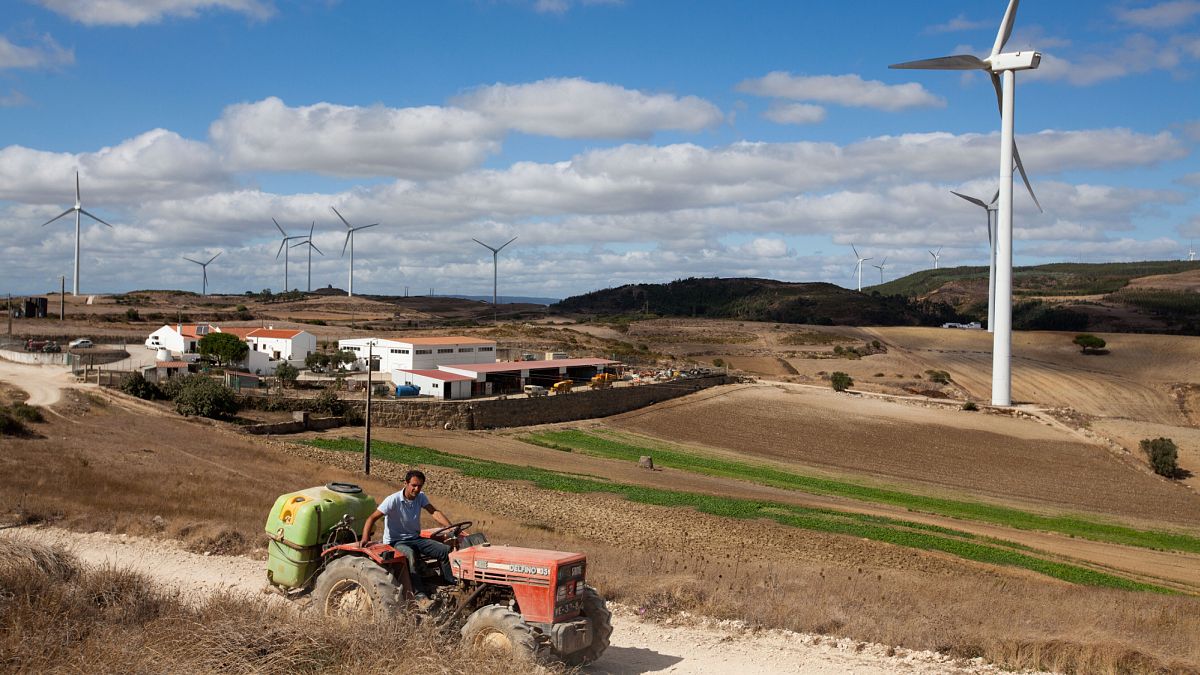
[{"x": 420, "y": 353}]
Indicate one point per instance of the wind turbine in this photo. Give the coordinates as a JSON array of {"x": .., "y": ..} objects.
[
  {"x": 283, "y": 248},
  {"x": 1003, "y": 67},
  {"x": 311, "y": 246},
  {"x": 77, "y": 209},
  {"x": 204, "y": 268},
  {"x": 350, "y": 230},
  {"x": 938, "y": 255},
  {"x": 1191, "y": 253},
  {"x": 990, "y": 209},
  {"x": 882, "y": 264},
  {"x": 495, "y": 267},
  {"x": 858, "y": 267}
]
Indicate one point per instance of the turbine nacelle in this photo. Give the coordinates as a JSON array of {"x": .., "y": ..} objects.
[{"x": 1028, "y": 60}]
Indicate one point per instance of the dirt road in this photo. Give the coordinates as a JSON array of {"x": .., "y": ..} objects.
[
  {"x": 692, "y": 645},
  {"x": 44, "y": 384}
]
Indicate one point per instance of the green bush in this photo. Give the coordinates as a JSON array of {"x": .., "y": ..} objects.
[
  {"x": 1163, "y": 455},
  {"x": 205, "y": 397},
  {"x": 328, "y": 402},
  {"x": 840, "y": 381},
  {"x": 26, "y": 413},
  {"x": 171, "y": 387},
  {"x": 938, "y": 376},
  {"x": 226, "y": 347},
  {"x": 136, "y": 385},
  {"x": 11, "y": 426},
  {"x": 1089, "y": 343},
  {"x": 718, "y": 363},
  {"x": 970, "y": 406},
  {"x": 131, "y": 314},
  {"x": 287, "y": 373}
]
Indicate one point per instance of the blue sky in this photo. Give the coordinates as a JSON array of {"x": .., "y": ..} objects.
[{"x": 622, "y": 142}]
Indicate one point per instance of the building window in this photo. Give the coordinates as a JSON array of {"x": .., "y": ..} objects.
[
  {"x": 424, "y": 351},
  {"x": 399, "y": 351},
  {"x": 485, "y": 349},
  {"x": 462, "y": 350},
  {"x": 446, "y": 351}
]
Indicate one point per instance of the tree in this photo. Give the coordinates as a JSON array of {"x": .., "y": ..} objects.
[
  {"x": 135, "y": 384},
  {"x": 287, "y": 373},
  {"x": 227, "y": 348},
  {"x": 1163, "y": 455},
  {"x": 343, "y": 356},
  {"x": 316, "y": 361},
  {"x": 205, "y": 397},
  {"x": 840, "y": 381},
  {"x": 1089, "y": 343}
]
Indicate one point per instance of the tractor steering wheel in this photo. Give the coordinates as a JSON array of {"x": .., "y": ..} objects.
[{"x": 457, "y": 527}]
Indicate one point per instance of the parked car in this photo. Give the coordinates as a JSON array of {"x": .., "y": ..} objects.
[
  {"x": 80, "y": 343},
  {"x": 534, "y": 390},
  {"x": 153, "y": 343}
]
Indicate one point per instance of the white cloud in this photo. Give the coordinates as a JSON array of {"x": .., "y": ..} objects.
[
  {"x": 48, "y": 54},
  {"x": 137, "y": 12},
  {"x": 1161, "y": 15},
  {"x": 577, "y": 108},
  {"x": 1138, "y": 54},
  {"x": 562, "y": 6},
  {"x": 154, "y": 164},
  {"x": 958, "y": 23},
  {"x": 14, "y": 99},
  {"x": 354, "y": 141},
  {"x": 795, "y": 113},
  {"x": 847, "y": 90}
]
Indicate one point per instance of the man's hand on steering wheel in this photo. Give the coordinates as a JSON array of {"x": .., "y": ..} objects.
[{"x": 456, "y": 527}]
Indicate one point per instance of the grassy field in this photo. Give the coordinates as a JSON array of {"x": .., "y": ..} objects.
[
  {"x": 627, "y": 448},
  {"x": 877, "y": 528}
]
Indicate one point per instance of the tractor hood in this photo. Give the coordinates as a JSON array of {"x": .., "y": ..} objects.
[{"x": 513, "y": 563}]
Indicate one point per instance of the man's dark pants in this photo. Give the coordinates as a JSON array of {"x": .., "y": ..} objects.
[{"x": 425, "y": 548}]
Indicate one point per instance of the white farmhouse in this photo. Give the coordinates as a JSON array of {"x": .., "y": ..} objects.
[
  {"x": 182, "y": 338},
  {"x": 421, "y": 353},
  {"x": 268, "y": 346}
]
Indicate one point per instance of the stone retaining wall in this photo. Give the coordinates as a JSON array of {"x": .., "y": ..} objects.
[
  {"x": 56, "y": 359},
  {"x": 522, "y": 411},
  {"x": 302, "y": 422}
]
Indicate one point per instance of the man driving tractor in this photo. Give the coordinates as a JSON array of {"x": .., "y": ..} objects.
[{"x": 401, "y": 512}]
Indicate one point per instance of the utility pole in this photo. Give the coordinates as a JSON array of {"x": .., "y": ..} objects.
[
  {"x": 367, "y": 440},
  {"x": 8, "y": 310},
  {"x": 62, "y": 298}
]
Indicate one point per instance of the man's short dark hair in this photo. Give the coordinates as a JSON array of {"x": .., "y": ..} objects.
[{"x": 417, "y": 473}]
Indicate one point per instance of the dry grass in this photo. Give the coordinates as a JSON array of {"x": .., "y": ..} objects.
[{"x": 56, "y": 616}]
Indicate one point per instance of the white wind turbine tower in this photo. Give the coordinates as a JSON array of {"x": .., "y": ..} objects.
[
  {"x": 990, "y": 209},
  {"x": 77, "y": 209},
  {"x": 204, "y": 268},
  {"x": 1191, "y": 252},
  {"x": 882, "y": 264},
  {"x": 350, "y": 230},
  {"x": 938, "y": 255},
  {"x": 1003, "y": 67},
  {"x": 495, "y": 266},
  {"x": 858, "y": 266},
  {"x": 311, "y": 247},
  {"x": 283, "y": 248}
]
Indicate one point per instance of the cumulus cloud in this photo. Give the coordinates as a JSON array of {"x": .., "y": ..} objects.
[
  {"x": 577, "y": 108},
  {"x": 45, "y": 54},
  {"x": 154, "y": 164},
  {"x": 1138, "y": 54},
  {"x": 958, "y": 23},
  {"x": 562, "y": 6},
  {"x": 341, "y": 140},
  {"x": 137, "y": 12},
  {"x": 795, "y": 113},
  {"x": 847, "y": 90},
  {"x": 1161, "y": 15},
  {"x": 14, "y": 99}
]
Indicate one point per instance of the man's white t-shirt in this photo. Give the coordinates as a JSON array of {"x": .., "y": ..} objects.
[{"x": 402, "y": 517}]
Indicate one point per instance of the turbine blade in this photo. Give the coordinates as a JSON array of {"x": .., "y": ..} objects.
[
  {"x": 347, "y": 242},
  {"x": 970, "y": 199},
  {"x": 300, "y": 244},
  {"x": 939, "y": 250},
  {"x": 311, "y": 228},
  {"x": 84, "y": 212},
  {"x": 999, "y": 92},
  {"x": 1006, "y": 27},
  {"x": 856, "y": 255},
  {"x": 1024, "y": 176},
  {"x": 956, "y": 62},
  {"x": 366, "y": 226},
  {"x": 190, "y": 260},
  {"x": 996, "y": 197},
  {"x": 281, "y": 245},
  {"x": 213, "y": 258},
  {"x": 483, "y": 244},
  {"x": 76, "y": 187},
  {"x": 314, "y": 246},
  {"x": 506, "y": 244},
  {"x": 884, "y": 261},
  {"x": 279, "y": 228},
  {"x": 57, "y": 217},
  {"x": 339, "y": 215}
]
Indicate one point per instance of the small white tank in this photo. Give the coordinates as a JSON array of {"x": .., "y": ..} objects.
[{"x": 162, "y": 355}]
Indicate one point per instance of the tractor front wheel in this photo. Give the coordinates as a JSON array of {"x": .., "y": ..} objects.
[
  {"x": 596, "y": 611},
  {"x": 356, "y": 587},
  {"x": 497, "y": 628}
]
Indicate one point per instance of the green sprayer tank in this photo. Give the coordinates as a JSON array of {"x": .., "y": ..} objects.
[{"x": 299, "y": 524}]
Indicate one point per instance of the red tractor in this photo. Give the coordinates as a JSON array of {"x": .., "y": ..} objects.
[{"x": 531, "y": 603}]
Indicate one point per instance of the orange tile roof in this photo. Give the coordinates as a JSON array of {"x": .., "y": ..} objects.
[{"x": 238, "y": 331}]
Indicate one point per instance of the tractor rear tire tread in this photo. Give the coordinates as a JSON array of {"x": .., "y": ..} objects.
[
  {"x": 387, "y": 596},
  {"x": 527, "y": 643},
  {"x": 596, "y": 610}
]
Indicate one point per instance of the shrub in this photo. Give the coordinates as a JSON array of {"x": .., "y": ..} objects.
[
  {"x": 11, "y": 426},
  {"x": 1089, "y": 343},
  {"x": 381, "y": 390},
  {"x": 136, "y": 385},
  {"x": 840, "y": 381},
  {"x": 1163, "y": 455},
  {"x": 287, "y": 373},
  {"x": 171, "y": 387},
  {"x": 131, "y": 314},
  {"x": 328, "y": 402},
  {"x": 970, "y": 406},
  {"x": 205, "y": 397},
  {"x": 938, "y": 376},
  {"x": 226, "y": 347},
  {"x": 26, "y": 413},
  {"x": 718, "y": 363}
]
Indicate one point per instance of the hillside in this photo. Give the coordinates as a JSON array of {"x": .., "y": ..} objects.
[{"x": 760, "y": 300}]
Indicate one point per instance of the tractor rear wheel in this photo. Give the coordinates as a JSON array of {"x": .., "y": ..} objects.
[
  {"x": 596, "y": 611},
  {"x": 355, "y": 587},
  {"x": 497, "y": 628}
]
